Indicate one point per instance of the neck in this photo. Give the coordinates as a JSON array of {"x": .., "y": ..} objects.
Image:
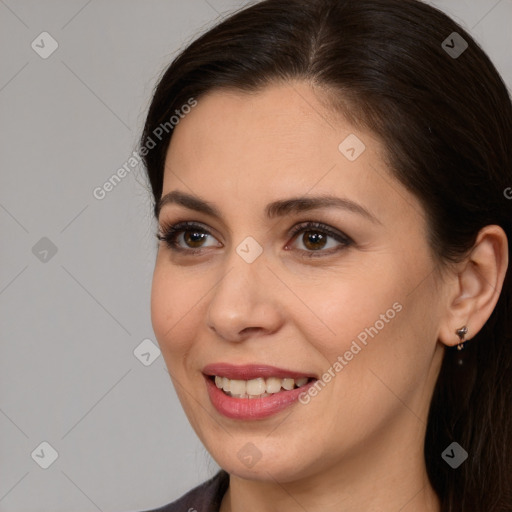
[{"x": 388, "y": 495}]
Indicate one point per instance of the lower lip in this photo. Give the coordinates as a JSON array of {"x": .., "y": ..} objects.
[{"x": 252, "y": 408}]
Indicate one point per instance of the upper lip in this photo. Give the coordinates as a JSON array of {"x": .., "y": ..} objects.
[{"x": 251, "y": 371}]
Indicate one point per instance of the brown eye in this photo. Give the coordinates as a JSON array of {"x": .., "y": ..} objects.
[
  {"x": 186, "y": 237},
  {"x": 318, "y": 239},
  {"x": 194, "y": 239},
  {"x": 314, "y": 240}
]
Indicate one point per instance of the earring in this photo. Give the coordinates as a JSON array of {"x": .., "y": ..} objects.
[{"x": 461, "y": 333}]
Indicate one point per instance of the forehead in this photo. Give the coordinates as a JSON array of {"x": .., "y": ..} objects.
[
  {"x": 282, "y": 121},
  {"x": 282, "y": 141}
]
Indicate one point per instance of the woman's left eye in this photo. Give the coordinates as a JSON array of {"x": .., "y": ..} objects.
[{"x": 315, "y": 238}]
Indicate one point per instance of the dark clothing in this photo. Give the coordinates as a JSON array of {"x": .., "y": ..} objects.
[{"x": 206, "y": 497}]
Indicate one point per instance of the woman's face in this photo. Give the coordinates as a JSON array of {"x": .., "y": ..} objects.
[{"x": 353, "y": 303}]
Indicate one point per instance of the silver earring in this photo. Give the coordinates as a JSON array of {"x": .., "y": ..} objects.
[{"x": 461, "y": 333}]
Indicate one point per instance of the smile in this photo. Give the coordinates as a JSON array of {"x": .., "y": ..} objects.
[{"x": 252, "y": 392}]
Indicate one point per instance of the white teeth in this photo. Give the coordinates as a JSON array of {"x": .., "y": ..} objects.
[
  {"x": 288, "y": 384},
  {"x": 257, "y": 388},
  {"x": 238, "y": 387},
  {"x": 273, "y": 385}
]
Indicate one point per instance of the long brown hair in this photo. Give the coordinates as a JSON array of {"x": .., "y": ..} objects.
[{"x": 446, "y": 121}]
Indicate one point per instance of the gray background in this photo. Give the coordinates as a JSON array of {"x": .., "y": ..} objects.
[{"x": 70, "y": 321}]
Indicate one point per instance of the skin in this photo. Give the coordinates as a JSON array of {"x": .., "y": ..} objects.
[{"x": 358, "y": 444}]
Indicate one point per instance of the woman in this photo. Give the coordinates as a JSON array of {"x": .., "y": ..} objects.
[{"x": 331, "y": 292}]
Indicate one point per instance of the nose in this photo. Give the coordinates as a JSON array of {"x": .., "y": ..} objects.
[{"x": 245, "y": 303}]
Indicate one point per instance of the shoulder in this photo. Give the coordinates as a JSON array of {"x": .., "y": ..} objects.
[{"x": 206, "y": 497}]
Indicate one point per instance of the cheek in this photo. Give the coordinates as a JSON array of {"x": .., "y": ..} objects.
[
  {"x": 172, "y": 307},
  {"x": 368, "y": 327},
  {"x": 348, "y": 306}
]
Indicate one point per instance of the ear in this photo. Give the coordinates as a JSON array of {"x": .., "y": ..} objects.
[{"x": 474, "y": 292}]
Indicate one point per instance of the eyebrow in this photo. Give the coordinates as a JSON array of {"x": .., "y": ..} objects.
[{"x": 275, "y": 209}]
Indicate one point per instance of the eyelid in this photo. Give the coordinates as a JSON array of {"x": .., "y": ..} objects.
[
  {"x": 320, "y": 226},
  {"x": 184, "y": 221}
]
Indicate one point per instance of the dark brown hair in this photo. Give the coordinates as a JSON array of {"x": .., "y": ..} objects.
[{"x": 446, "y": 122}]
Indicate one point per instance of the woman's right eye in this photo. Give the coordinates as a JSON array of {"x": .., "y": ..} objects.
[{"x": 184, "y": 237}]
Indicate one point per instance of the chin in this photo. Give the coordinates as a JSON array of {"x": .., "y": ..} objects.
[{"x": 262, "y": 461}]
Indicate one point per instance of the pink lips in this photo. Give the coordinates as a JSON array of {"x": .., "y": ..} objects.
[
  {"x": 251, "y": 408},
  {"x": 251, "y": 371}
]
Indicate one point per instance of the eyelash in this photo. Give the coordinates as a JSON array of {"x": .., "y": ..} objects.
[{"x": 170, "y": 233}]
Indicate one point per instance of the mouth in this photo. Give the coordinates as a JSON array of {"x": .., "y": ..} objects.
[{"x": 252, "y": 392}]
